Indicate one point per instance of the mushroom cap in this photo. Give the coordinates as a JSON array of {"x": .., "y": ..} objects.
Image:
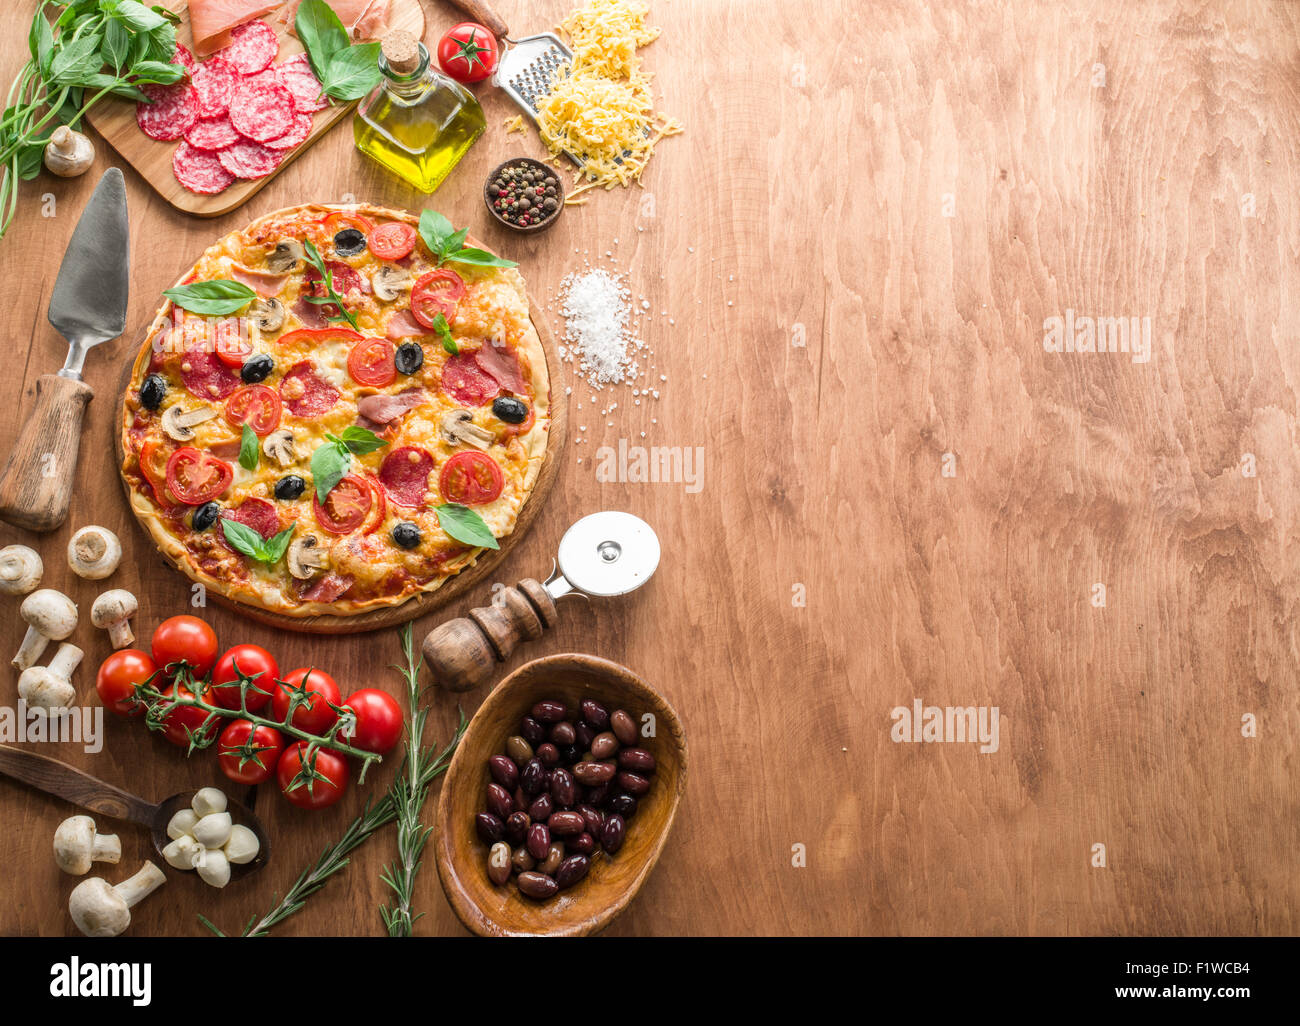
[
  {"x": 51, "y": 612},
  {"x": 97, "y": 909},
  {"x": 73, "y": 842},
  {"x": 39, "y": 688},
  {"x": 112, "y": 607},
  {"x": 94, "y": 552},
  {"x": 20, "y": 569}
]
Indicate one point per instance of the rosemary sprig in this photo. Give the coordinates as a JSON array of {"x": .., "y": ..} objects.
[
  {"x": 327, "y": 279},
  {"x": 408, "y": 794}
]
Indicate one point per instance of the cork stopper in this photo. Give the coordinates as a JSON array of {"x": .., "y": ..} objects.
[{"x": 402, "y": 51}]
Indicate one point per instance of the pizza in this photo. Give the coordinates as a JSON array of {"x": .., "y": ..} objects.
[{"x": 310, "y": 457}]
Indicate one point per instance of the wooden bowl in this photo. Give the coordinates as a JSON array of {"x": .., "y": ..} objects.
[
  {"x": 529, "y": 164},
  {"x": 612, "y": 882}
]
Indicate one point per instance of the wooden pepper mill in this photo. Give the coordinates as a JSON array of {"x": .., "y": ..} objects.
[{"x": 601, "y": 555}]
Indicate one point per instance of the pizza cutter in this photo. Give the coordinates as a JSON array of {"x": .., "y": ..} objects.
[{"x": 602, "y": 555}]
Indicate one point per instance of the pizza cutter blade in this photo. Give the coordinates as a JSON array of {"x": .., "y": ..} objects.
[{"x": 602, "y": 555}]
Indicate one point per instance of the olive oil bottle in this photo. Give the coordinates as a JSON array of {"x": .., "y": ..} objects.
[{"x": 417, "y": 123}]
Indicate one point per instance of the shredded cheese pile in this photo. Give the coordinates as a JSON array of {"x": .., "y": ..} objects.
[{"x": 603, "y": 109}]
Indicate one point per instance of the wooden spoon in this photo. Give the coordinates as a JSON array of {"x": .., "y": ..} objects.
[{"x": 91, "y": 793}]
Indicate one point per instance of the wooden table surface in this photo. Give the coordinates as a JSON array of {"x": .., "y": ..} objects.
[{"x": 874, "y": 212}]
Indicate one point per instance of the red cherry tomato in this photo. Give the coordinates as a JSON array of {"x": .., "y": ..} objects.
[
  {"x": 392, "y": 240},
  {"x": 315, "y": 715},
  {"x": 253, "y": 661},
  {"x": 371, "y": 362},
  {"x": 438, "y": 292},
  {"x": 118, "y": 675},
  {"x": 248, "y": 753},
  {"x": 195, "y": 476},
  {"x": 318, "y": 784},
  {"x": 346, "y": 505},
  {"x": 231, "y": 347},
  {"x": 184, "y": 720},
  {"x": 468, "y": 53},
  {"x": 379, "y": 721},
  {"x": 470, "y": 478},
  {"x": 255, "y": 405},
  {"x": 185, "y": 639}
]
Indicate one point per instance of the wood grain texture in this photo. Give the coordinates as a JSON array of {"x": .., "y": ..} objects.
[
  {"x": 38, "y": 477},
  {"x": 114, "y": 120},
  {"x": 806, "y": 203}
]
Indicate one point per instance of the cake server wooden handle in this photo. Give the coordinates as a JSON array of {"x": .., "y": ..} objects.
[
  {"x": 71, "y": 784},
  {"x": 462, "y": 653},
  {"x": 36, "y": 482},
  {"x": 478, "y": 10}
]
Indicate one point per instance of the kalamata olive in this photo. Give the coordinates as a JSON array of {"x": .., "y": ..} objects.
[
  {"x": 623, "y": 726},
  {"x": 571, "y": 870},
  {"x": 554, "y": 856},
  {"x": 504, "y": 771},
  {"x": 583, "y": 843},
  {"x": 521, "y": 860},
  {"x": 499, "y": 863},
  {"x": 289, "y": 487},
  {"x": 256, "y": 368},
  {"x": 541, "y": 808},
  {"x": 633, "y": 783},
  {"x": 510, "y": 409},
  {"x": 584, "y": 734},
  {"x": 533, "y": 731},
  {"x": 624, "y": 805},
  {"x": 153, "y": 390},
  {"x": 539, "y": 841},
  {"x": 516, "y": 827},
  {"x": 593, "y": 773},
  {"x": 638, "y": 760},
  {"x": 604, "y": 745},
  {"x": 611, "y": 837},
  {"x": 569, "y": 754},
  {"x": 600, "y": 795},
  {"x": 205, "y": 516},
  {"x": 349, "y": 242},
  {"x": 409, "y": 357},
  {"x": 522, "y": 801},
  {"x": 519, "y": 750},
  {"x": 533, "y": 778},
  {"x": 563, "y": 734},
  {"x": 499, "y": 802},
  {"x": 549, "y": 754},
  {"x": 592, "y": 818},
  {"x": 594, "y": 713},
  {"x": 550, "y": 711},
  {"x": 566, "y": 824},
  {"x": 489, "y": 828},
  {"x": 563, "y": 789},
  {"x": 406, "y": 535},
  {"x": 537, "y": 886}
]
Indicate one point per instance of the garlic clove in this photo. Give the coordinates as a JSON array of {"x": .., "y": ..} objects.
[
  {"x": 182, "y": 824},
  {"x": 242, "y": 846},
  {"x": 215, "y": 869},
  {"x": 213, "y": 830},
  {"x": 207, "y": 800}
]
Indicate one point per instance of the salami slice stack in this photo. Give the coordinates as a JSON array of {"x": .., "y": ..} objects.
[{"x": 236, "y": 115}]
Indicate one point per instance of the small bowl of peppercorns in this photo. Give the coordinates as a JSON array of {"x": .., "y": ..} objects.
[{"x": 524, "y": 194}]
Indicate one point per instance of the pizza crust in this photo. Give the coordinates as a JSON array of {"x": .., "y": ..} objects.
[{"x": 534, "y": 441}]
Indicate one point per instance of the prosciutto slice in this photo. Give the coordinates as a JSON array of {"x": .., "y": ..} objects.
[
  {"x": 384, "y": 409},
  {"x": 502, "y": 366},
  {"x": 211, "y": 21},
  {"x": 403, "y": 325},
  {"x": 264, "y": 283},
  {"x": 364, "y": 19}
]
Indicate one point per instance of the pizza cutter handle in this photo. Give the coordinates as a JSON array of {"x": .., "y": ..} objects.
[
  {"x": 36, "y": 482},
  {"x": 478, "y": 10},
  {"x": 463, "y": 653}
]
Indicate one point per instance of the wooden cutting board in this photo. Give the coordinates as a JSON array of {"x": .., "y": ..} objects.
[{"x": 114, "y": 119}]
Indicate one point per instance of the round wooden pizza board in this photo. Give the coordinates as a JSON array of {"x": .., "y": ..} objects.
[{"x": 415, "y": 607}]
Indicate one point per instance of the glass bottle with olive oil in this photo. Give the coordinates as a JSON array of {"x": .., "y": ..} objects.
[{"x": 417, "y": 123}]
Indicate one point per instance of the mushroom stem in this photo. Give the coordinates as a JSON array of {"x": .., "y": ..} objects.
[
  {"x": 30, "y": 650},
  {"x": 135, "y": 889},
  {"x": 107, "y": 848},
  {"x": 65, "y": 660}
]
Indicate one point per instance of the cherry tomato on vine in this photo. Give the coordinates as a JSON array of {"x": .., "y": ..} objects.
[
  {"x": 315, "y": 715},
  {"x": 252, "y": 661},
  {"x": 318, "y": 784},
  {"x": 118, "y": 675},
  {"x": 183, "y": 720},
  {"x": 379, "y": 721},
  {"x": 248, "y": 753},
  {"x": 185, "y": 639}
]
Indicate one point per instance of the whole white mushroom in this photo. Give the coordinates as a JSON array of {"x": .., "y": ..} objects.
[
  {"x": 50, "y": 616},
  {"x": 94, "y": 552},
  {"x": 102, "y": 910},
  {"x": 20, "y": 569},
  {"x": 77, "y": 845},
  {"x": 50, "y": 687}
]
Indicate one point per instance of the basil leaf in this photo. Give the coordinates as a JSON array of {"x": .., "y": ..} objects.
[
  {"x": 448, "y": 343},
  {"x": 40, "y": 40},
  {"x": 354, "y": 72},
  {"x": 243, "y": 538},
  {"x": 117, "y": 44},
  {"x": 435, "y": 230},
  {"x": 274, "y": 547},
  {"x": 463, "y": 524},
  {"x": 76, "y": 60},
  {"x": 479, "y": 258},
  {"x": 157, "y": 72},
  {"x": 29, "y": 161},
  {"x": 218, "y": 297},
  {"x": 248, "y": 449},
  {"x": 322, "y": 35},
  {"x": 137, "y": 16},
  {"x": 359, "y": 440},
  {"x": 457, "y": 241},
  {"x": 328, "y": 465}
]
